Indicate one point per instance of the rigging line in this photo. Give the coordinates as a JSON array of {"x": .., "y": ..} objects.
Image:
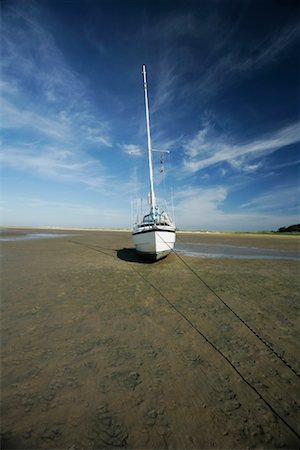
[
  {"x": 275, "y": 413},
  {"x": 286, "y": 363}
]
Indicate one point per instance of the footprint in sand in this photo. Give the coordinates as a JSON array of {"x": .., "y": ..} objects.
[{"x": 107, "y": 432}]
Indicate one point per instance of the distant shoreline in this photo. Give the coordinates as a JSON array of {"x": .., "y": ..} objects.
[
  {"x": 2, "y": 227},
  {"x": 127, "y": 230}
]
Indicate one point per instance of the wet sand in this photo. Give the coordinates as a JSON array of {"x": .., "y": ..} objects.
[{"x": 101, "y": 350}]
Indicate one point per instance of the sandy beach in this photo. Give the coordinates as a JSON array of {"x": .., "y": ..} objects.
[{"x": 101, "y": 350}]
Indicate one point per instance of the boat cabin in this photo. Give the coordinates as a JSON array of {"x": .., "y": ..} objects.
[{"x": 157, "y": 219}]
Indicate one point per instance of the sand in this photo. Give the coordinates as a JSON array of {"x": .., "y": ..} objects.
[{"x": 101, "y": 350}]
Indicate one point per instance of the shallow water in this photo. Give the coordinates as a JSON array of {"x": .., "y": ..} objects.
[
  {"x": 233, "y": 251},
  {"x": 30, "y": 236}
]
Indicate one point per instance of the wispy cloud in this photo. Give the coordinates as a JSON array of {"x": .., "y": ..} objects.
[
  {"x": 60, "y": 127},
  {"x": 20, "y": 118},
  {"x": 54, "y": 146},
  {"x": 204, "y": 209},
  {"x": 41, "y": 92},
  {"x": 98, "y": 135},
  {"x": 186, "y": 67},
  {"x": 268, "y": 50},
  {"x": 281, "y": 198},
  {"x": 172, "y": 58},
  {"x": 168, "y": 78},
  {"x": 58, "y": 164},
  {"x": 234, "y": 60},
  {"x": 38, "y": 58},
  {"x": 225, "y": 59},
  {"x": 207, "y": 149},
  {"x": 51, "y": 124},
  {"x": 132, "y": 149}
]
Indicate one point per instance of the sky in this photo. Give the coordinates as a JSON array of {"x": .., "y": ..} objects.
[{"x": 223, "y": 85}]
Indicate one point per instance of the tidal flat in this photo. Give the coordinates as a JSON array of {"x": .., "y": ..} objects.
[{"x": 102, "y": 350}]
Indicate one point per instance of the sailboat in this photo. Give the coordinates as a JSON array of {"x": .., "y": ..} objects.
[{"x": 154, "y": 236}]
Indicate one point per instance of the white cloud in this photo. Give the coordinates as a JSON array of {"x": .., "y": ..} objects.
[
  {"x": 19, "y": 118},
  {"x": 38, "y": 59},
  {"x": 222, "y": 61},
  {"x": 133, "y": 150},
  {"x": 252, "y": 167},
  {"x": 8, "y": 87},
  {"x": 198, "y": 208},
  {"x": 98, "y": 135},
  {"x": 48, "y": 120},
  {"x": 267, "y": 51},
  {"x": 168, "y": 78},
  {"x": 56, "y": 163},
  {"x": 202, "y": 209},
  {"x": 41, "y": 93},
  {"x": 206, "y": 150},
  {"x": 234, "y": 60},
  {"x": 281, "y": 198}
]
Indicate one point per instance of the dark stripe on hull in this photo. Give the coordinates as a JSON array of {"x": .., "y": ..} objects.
[{"x": 151, "y": 231}]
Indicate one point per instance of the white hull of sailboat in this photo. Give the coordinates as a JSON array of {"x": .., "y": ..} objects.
[{"x": 154, "y": 244}]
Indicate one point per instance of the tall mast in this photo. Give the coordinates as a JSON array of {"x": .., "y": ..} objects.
[{"x": 152, "y": 195}]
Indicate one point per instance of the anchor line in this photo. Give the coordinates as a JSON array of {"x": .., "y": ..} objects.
[
  {"x": 195, "y": 328},
  {"x": 255, "y": 333},
  {"x": 250, "y": 385}
]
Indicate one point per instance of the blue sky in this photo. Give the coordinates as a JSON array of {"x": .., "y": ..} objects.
[{"x": 223, "y": 80}]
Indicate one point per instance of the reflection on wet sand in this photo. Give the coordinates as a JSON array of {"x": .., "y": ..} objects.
[
  {"x": 29, "y": 236},
  {"x": 234, "y": 251}
]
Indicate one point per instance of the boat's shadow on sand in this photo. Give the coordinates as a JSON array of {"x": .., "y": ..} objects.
[{"x": 130, "y": 255}]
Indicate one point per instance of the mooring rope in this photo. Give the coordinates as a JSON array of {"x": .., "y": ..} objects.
[
  {"x": 249, "y": 384},
  {"x": 286, "y": 363},
  {"x": 220, "y": 353}
]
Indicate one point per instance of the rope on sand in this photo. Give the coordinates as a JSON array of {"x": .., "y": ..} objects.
[
  {"x": 275, "y": 413},
  {"x": 286, "y": 363},
  {"x": 195, "y": 328}
]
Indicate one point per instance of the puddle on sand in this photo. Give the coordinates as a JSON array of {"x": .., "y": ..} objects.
[
  {"x": 234, "y": 251},
  {"x": 31, "y": 236}
]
